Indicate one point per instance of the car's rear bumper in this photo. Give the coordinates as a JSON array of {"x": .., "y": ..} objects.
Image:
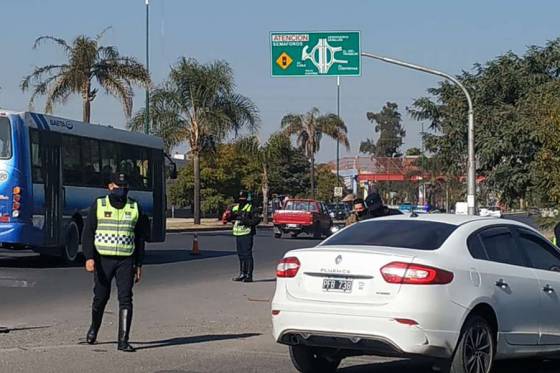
[
  {"x": 368, "y": 335},
  {"x": 294, "y": 227}
]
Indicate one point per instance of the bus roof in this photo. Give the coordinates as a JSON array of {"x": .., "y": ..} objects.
[{"x": 45, "y": 122}]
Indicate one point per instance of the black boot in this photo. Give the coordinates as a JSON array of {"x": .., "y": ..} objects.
[
  {"x": 96, "y": 317},
  {"x": 242, "y": 270},
  {"x": 249, "y": 271},
  {"x": 125, "y": 320}
]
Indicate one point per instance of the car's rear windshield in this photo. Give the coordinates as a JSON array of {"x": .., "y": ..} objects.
[
  {"x": 301, "y": 206},
  {"x": 408, "y": 234},
  {"x": 5, "y": 138}
]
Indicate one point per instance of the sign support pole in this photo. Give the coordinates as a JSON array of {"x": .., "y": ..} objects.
[{"x": 337, "y": 139}]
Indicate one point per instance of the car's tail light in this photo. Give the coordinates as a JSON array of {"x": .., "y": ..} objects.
[
  {"x": 288, "y": 267},
  {"x": 415, "y": 274}
]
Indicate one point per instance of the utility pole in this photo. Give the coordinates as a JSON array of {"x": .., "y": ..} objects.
[
  {"x": 471, "y": 177},
  {"x": 147, "y": 117}
]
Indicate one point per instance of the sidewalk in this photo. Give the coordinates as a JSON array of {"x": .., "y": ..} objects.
[{"x": 212, "y": 224}]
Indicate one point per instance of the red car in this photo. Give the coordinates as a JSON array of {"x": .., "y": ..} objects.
[
  {"x": 226, "y": 216},
  {"x": 302, "y": 216}
]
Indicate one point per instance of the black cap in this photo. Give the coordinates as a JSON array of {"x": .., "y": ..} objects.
[{"x": 120, "y": 179}]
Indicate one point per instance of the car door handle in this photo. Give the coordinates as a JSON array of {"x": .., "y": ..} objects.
[
  {"x": 501, "y": 284},
  {"x": 548, "y": 289}
]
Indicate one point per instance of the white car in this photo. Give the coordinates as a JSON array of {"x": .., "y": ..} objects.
[
  {"x": 463, "y": 290},
  {"x": 491, "y": 211}
]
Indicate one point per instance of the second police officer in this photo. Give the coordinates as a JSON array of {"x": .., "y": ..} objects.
[{"x": 244, "y": 229}]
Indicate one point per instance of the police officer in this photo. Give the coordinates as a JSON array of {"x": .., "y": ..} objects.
[
  {"x": 113, "y": 245},
  {"x": 244, "y": 229}
]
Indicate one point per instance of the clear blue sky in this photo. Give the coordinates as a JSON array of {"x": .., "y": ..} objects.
[{"x": 448, "y": 35}]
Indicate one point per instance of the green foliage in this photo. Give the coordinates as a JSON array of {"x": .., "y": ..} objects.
[
  {"x": 515, "y": 104},
  {"x": 87, "y": 61},
  {"x": 237, "y": 166},
  {"x": 413, "y": 152},
  {"x": 326, "y": 181},
  {"x": 388, "y": 125},
  {"x": 309, "y": 129}
]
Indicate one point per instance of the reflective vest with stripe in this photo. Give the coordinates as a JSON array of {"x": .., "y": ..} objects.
[
  {"x": 238, "y": 228},
  {"x": 115, "y": 228}
]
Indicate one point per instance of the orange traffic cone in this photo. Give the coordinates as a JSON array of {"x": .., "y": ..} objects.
[{"x": 195, "y": 249}]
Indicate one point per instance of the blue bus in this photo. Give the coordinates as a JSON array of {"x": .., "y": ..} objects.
[{"x": 52, "y": 169}]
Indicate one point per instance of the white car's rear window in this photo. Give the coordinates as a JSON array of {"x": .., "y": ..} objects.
[{"x": 407, "y": 234}]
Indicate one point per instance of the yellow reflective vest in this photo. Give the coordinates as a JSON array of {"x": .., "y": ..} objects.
[
  {"x": 115, "y": 228},
  {"x": 238, "y": 228}
]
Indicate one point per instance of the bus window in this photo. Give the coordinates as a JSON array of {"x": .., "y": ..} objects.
[
  {"x": 91, "y": 163},
  {"x": 72, "y": 165},
  {"x": 109, "y": 159},
  {"x": 36, "y": 167},
  {"x": 134, "y": 162},
  {"x": 5, "y": 138}
]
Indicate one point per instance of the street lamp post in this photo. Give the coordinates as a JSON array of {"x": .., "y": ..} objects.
[
  {"x": 471, "y": 181},
  {"x": 147, "y": 117}
]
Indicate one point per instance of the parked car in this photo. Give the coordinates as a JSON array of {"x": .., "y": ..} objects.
[
  {"x": 302, "y": 216},
  {"x": 457, "y": 288},
  {"x": 226, "y": 215},
  {"x": 491, "y": 211},
  {"x": 338, "y": 211}
]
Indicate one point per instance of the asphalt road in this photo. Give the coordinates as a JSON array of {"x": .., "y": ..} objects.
[{"x": 189, "y": 315}]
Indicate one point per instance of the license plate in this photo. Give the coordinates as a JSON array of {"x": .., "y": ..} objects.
[
  {"x": 331, "y": 284},
  {"x": 292, "y": 225}
]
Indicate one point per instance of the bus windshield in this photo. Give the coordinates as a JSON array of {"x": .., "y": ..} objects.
[{"x": 5, "y": 138}]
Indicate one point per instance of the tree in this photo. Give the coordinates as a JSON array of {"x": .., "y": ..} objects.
[
  {"x": 199, "y": 101},
  {"x": 326, "y": 181},
  {"x": 165, "y": 126},
  {"x": 413, "y": 152},
  {"x": 309, "y": 129},
  {"x": 87, "y": 62},
  {"x": 388, "y": 125},
  {"x": 264, "y": 154}
]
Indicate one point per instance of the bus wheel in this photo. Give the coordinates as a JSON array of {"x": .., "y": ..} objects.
[{"x": 71, "y": 243}]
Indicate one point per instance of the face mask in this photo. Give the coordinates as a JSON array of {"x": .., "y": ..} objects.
[{"x": 120, "y": 193}]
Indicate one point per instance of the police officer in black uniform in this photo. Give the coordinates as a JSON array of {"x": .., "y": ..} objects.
[
  {"x": 244, "y": 229},
  {"x": 113, "y": 245}
]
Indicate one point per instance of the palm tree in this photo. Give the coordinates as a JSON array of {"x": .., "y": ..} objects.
[
  {"x": 199, "y": 106},
  {"x": 87, "y": 61},
  {"x": 310, "y": 128},
  {"x": 264, "y": 154}
]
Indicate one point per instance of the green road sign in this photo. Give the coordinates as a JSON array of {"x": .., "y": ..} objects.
[{"x": 315, "y": 53}]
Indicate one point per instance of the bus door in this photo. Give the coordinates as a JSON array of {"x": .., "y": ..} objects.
[
  {"x": 54, "y": 191},
  {"x": 157, "y": 233}
]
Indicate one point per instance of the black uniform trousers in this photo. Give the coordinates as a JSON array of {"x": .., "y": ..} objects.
[
  {"x": 245, "y": 249},
  {"x": 107, "y": 268}
]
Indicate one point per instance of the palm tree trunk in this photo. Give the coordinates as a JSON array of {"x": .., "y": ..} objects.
[
  {"x": 86, "y": 112},
  {"x": 312, "y": 175},
  {"x": 196, "y": 199},
  {"x": 265, "y": 193}
]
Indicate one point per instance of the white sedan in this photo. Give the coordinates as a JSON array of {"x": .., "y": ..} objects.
[{"x": 463, "y": 290}]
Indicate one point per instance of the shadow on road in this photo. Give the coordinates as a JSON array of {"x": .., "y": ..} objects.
[
  {"x": 412, "y": 366},
  {"x": 399, "y": 366},
  {"x": 30, "y": 259},
  {"x": 182, "y": 255},
  {"x": 158, "y": 256},
  {"x": 179, "y": 341}
]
